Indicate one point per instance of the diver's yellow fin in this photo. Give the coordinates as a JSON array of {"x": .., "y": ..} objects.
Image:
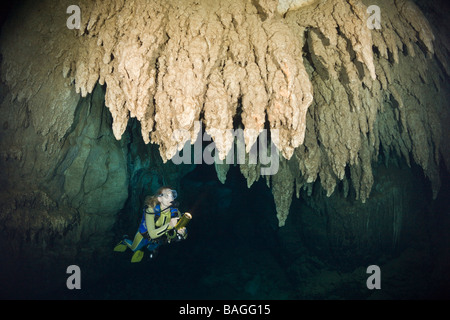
[
  {"x": 121, "y": 247},
  {"x": 137, "y": 256}
]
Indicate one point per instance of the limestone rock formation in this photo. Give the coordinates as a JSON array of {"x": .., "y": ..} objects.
[
  {"x": 334, "y": 94},
  {"x": 51, "y": 189}
]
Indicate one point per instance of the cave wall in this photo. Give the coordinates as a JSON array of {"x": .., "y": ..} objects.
[{"x": 71, "y": 188}]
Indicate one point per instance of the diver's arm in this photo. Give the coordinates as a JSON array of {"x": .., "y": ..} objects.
[
  {"x": 174, "y": 220},
  {"x": 182, "y": 231},
  {"x": 151, "y": 228}
]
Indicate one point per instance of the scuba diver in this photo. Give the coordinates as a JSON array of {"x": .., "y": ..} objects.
[{"x": 160, "y": 224}]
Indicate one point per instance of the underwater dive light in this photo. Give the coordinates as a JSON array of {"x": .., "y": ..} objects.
[{"x": 184, "y": 220}]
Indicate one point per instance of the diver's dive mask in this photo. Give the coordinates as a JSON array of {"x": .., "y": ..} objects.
[{"x": 171, "y": 194}]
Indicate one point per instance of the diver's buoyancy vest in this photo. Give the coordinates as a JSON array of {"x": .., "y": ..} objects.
[{"x": 161, "y": 218}]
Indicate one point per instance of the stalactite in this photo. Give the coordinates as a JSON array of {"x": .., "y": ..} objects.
[{"x": 331, "y": 89}]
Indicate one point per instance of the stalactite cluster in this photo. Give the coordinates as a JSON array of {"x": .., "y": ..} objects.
[
  {"x": 392, "y": 105},
  {"x": 336, "y": 92}
]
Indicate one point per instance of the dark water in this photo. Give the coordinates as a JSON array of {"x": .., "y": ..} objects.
[
  {"x": 235, "y": 251},
  {"x": 229, "y": 254}
]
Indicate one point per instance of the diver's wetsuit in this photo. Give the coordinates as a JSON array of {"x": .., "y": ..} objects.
[{"x": 154, "y": 224}]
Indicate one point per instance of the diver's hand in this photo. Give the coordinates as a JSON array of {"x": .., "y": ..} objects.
[
  {"x": 173, "y": 222},
  {"x": 182, "y": 231}
]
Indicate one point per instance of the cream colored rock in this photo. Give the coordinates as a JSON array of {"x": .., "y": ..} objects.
[
  {"x": 286, "y": 5},
  {"x": 334, "y": 92}
]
